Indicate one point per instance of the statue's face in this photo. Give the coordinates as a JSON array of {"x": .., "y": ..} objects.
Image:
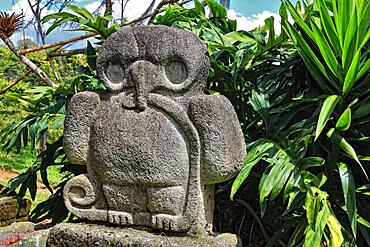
[{"x": 153, "y": 59}]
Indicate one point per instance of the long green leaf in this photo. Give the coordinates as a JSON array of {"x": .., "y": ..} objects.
[
  {"x": 253, "y": 157},
  {"x": 308, "y": 55},
  {"x": 327, "y": 23},
  {"x": 314, "y": 236},
  {"x": 351, "y": 75},
  {"x": 261, "y": 104},
  {"x": 344, "y": 121},
  {"x": 312, "y": 206},
  {"x": 281, "y": 179},
  {"x": 364, "y": 69},
  {"x": 345, "y": 146},
  {"x": 336, "y": 237},
  {"x": 350, "y": 38},
  {"x": 348, "y": 186},
  {"x": 297, "y": 18},
  {"x": 325, "y": 112},
  {"x": 311, "y": 162},
  {"x": 81, "y": 11},
  {"x": 344, "y": 14},
  {"x": 326, "y": 51}
]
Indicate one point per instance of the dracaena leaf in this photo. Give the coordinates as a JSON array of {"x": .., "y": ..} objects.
[
  {"x": 334, "y": 135},
  {"x": 344, "y": 121},
  {"x": 335, "y": 228},
  {"x": 326, "y": 110},
  {"x": 348, "y": 187}
]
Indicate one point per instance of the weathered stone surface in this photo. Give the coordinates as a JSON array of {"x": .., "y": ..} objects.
[
  {"x": 13, "y": 209},
  {"x": 156, "y": 144},
  {"x": 15, "y": 232},
  {"x": 34, "y": 239},
  {"x": 68, "y": 235}
]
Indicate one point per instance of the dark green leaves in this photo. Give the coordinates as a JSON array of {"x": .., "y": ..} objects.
[
  {"x": 217, "y": 10},
  {"x": 344, "y": 122},
  {"x": 326, "y": 110},
  {"x": 91, "y": 56},
  {"x": 261, "y": 104},
  {"x": 348, "y": 186},
  {"x": 102, "y": 25},
  {"x": 253, "y": 157}
]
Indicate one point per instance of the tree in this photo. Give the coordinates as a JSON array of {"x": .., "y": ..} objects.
[{"x": 26, "y": 43}]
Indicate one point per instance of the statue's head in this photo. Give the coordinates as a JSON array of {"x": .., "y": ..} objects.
[{"x": 153, "y": 59}]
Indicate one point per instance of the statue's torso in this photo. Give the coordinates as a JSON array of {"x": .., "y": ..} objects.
[{"x": 131, "y": 147}]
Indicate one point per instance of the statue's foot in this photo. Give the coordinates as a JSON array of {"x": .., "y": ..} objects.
[
  {"x": 120, "y": 218},
  {"x": 166, "y": 222}
]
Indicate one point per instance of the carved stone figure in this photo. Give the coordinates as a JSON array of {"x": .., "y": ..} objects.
[{"x": 155, "y": 145}]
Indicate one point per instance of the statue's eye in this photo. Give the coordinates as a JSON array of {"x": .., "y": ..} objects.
[
  {"x": 115, "y": 72},
  {"x": 176, "y": 71}
]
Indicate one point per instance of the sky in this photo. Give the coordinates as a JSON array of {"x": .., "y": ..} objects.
[{"x": 248, "y": 13}]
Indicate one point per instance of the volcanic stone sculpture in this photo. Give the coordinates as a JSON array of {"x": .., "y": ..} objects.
[{"x": 155, "y": 145}]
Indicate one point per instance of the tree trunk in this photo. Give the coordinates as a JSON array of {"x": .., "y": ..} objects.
[
  {"x": 39, "y": 72},
  {"x": 36, "y": 10},
  {"x": 108, "y": 10}
]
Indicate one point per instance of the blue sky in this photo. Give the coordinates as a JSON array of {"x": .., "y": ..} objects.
[
  {"x": 246, "y": 7},
  {"x": 253, "y": 7},
  {"x": 249, "y": 14}
]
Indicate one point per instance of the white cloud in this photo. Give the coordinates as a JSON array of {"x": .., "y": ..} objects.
[
  {"x": 134, "y": 8},
  {"x": 91, "y": 7},
  {"x": 258, "y": 20},
  {"x": 22, "y": 6}
]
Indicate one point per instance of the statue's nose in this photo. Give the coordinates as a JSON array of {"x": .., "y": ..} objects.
[{"x": 143, "y": 77}]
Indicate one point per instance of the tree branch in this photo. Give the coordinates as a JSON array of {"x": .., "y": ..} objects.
[
  {"x": 63, "y": 42},
  {"x": 67, "y": 53},
  {"x": 20, "y": 78},
  {"x": 41, "y": 74},
  {"x": 158, "y": 9},
  {"x": 89, "y": 35}
]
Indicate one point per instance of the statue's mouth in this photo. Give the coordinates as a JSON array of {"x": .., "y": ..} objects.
[
  {"x": 129, "y": 102},
  {"x": 134, "y": 102}
]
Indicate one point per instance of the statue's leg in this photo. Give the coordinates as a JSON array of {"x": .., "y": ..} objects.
[
  {"x": 125, "y": 202},
  {"x": 167, "y": 206}
]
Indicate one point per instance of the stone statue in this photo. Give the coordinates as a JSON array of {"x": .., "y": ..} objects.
[{"x": 155, "y": 145}]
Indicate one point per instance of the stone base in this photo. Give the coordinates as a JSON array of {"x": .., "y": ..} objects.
[
  {"x": 82, "y": 234},
  {"x": 13, "y": 209}
]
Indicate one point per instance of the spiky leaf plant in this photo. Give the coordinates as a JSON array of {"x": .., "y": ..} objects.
[{"x": 10, "y": 23}]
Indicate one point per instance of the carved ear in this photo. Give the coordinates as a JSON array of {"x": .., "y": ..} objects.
[
  {"x": 77, "y": 126},
  {"x": 222, "y": 141}
]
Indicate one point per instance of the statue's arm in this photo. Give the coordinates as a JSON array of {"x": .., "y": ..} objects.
[
  {"x": 222, "y": 142},
  {"x": 77, "y": 125}
]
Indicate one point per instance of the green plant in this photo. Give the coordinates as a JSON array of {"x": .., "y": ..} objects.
[
  {"x": 102, "y": 25},
  {"x": 305, "y": 167},
  {"x": 47, "y": 107}
]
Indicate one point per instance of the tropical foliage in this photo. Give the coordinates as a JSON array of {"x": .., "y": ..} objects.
[{"x": 302, "y": 98}]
